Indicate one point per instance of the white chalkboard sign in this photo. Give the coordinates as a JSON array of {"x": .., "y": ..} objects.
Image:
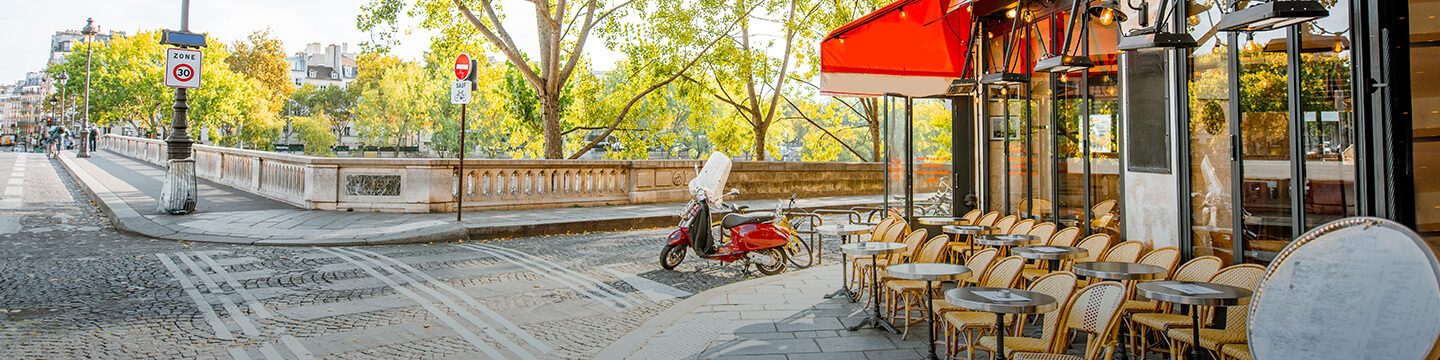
[{"x": 1357, "y": 288}]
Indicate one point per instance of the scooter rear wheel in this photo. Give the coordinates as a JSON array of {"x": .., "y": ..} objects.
[
  {"x": 671, "y": 256},
  {"x": 777, "y": 261}
]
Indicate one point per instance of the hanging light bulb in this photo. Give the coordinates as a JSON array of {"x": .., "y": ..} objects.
[
  {"x": 1028, "y": 16},
  {"x": 1107, "y": 17},
  {"x": 1339, "y": 47},
  {"x": 1010, "y": 14},
  {"x": 1194, "y": 20},
  {"x": 1250, "y": 44},
  {"x": 1064, "y": 77}
]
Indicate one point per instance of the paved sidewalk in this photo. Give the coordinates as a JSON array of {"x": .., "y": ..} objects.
[
  {"x": 777, "y": 317},
  {"x": 127, "y": 190}
]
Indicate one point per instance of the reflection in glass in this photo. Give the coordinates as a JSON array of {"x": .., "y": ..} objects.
[
  {"x": 1211, "y": 209},
  {"x": 1265, "y": 125},
  {"x": 895, "y": 136},
  {"x": 1327, "y": 110},
  {"x": 1102, "y": 133},
  {"x": 1425, "y": 112},
  {"x": 931, "y": 122}
]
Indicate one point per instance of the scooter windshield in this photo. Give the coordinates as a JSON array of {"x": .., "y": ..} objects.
[{"x": 712, "y": 178}]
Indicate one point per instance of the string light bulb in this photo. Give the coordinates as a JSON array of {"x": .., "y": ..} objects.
[
  {"x": 1194, "y": 20},
  {"x": 1010, "y": 14},
  {"x": 1339, "y": 47}
]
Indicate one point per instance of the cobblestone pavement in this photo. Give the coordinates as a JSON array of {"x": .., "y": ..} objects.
[{"x": 72, "y": 286}]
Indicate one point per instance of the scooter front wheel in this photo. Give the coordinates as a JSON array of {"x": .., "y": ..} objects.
[
  {"x": 774, "y": 262},
  {"x": 671, "y": 256}
]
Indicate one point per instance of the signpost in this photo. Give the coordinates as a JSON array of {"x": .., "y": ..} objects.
[
  {"x": 182, "y": 68},
  {"x": 460, "y": 94}
]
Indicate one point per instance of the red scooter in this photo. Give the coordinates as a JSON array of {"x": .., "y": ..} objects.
[{"x": 757, "y": 238}]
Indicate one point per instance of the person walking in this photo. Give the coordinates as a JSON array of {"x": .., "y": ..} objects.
[{"x": 58, "y": 134}]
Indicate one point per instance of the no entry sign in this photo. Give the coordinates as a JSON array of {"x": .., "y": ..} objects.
[
  {"x": 462, "y": 67},
  {"x": 182, "y": 68}
]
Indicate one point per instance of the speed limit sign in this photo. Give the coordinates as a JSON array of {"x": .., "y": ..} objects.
[{"x": 182, "y": 68}]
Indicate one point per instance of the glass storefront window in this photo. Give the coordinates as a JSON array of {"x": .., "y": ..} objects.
[
  {"x": 1328, "y": 113},
  {"x": 1211, "y": 222},
  {"x": 895, "y": 136},
  {"x": 1265, "y": 126},
  {"x": 1037, "y": 206},
  {"x": 1102, "y": 132},
  {"x": 1425, "y": 114},
  {"x": 931, "y": 128}
]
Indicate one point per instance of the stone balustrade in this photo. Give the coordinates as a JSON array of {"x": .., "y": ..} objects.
[{"x": 431, "y": 185}]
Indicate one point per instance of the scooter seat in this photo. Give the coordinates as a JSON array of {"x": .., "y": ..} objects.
[{"x": 733, "y": 220}]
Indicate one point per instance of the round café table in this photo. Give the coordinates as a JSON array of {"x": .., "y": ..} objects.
[
  {"x": 1000, "y": 301},
  {"x": 844, "y": 231},
  {"x": 1006, "y": 241},
  {"x": 1053, "y": 253},
  {"x": 1195, "y": 294},
  {"x": 965, "y": 230},
  {"x": 1126, "y": 273},
  {"x": 929, "y": 273},
  {"x": 873, "y": 249}
]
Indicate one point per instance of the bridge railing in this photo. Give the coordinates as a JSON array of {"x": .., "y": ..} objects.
[{"x": 431, "y": 185}]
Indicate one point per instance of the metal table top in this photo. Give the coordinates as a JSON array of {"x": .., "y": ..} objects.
[
  {"x": 1111, "y": 270},
  {"x": 1006, "y": 240},
  {"x": 965, "y": 229},
  {"x": 843, "y": 229},
  {"x": 928, "y": 271},
  {"x": 1223, "y": 295},
  {"x": 941, "y": 220},
  {"x": 867, "y": 248},
  {"x": 1050, "y": 252},
  {"x": 971, "y": 298}
]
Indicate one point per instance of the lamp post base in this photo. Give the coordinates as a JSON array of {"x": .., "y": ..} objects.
[{"x": 177, "y": 197}]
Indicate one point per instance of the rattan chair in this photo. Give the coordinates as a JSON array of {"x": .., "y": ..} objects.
[
  {"x": 1128, "y": 251},
  {"x": 860, "y": 266},
  {"x": 912, "y": 292},
  {"x": 1094, "y": 245},
  {"x": 973, "y": 324},
  {"x": 1003, "y": 225},
  {"x": 1022, "y": 227},
  {"x": 1059, "y": 285},
  {"x": 1166, "y": 257},
  {"x": 1147, "y": 323},
  {"x": 1235, "y": 351},
  {"x": 971, "y": 216},
  {"x": 1245, "y": 276},
  {"x": 1064, "y": 237},
  {"x": 1045, "y": 231},
  {"x": 988, "y": 219},
  {"x": 1094, "y": 311}
]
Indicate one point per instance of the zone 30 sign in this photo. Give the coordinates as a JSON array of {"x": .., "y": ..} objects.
[{"x": 182, "y": 68}]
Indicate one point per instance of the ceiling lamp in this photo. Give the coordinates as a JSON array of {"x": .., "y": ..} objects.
[
  {"x": 966, "y": 86},
  {"x": 1004, "y": 77},
  {"x": 1155, "y": 37},
  {"x": 1272, "y": 15},
  {"x": 1065, "y": 62},
  {"x": 961, "y": 86},
  {"x": 1107, "y": 13}
]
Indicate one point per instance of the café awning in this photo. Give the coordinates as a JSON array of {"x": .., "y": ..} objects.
[{"x": 910, "y": 47}]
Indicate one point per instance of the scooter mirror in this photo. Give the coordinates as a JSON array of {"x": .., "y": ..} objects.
[{"x": 733, "y": 192}]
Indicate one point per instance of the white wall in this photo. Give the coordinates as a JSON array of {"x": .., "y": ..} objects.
[{"x": 1151, "y": 203}]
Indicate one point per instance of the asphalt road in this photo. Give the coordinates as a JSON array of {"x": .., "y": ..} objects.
[{"x": 72, "y": 286}]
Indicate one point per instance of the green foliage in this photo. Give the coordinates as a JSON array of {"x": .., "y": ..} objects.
[
  {"x": 398, "y": 105},
  {"x": 315, "y": 132}
]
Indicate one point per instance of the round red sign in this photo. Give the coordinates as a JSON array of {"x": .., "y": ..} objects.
[
  {"x": 462, "y": 67},
  {"x": 183, "y": 72}
]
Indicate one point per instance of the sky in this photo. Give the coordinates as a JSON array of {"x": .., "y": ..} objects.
[{"x": 28, "y": 24}]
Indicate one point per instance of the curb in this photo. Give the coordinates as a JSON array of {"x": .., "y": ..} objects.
[{"x": 633, "y": 341}]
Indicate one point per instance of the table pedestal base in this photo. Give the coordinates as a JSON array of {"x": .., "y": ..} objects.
[
  {"x": 999, "y": 353},
  {"x": 844, "y": 277},
  {"x": 875, "y": 320}
]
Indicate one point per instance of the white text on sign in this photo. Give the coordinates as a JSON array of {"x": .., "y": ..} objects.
[
  {"x": 182, "y": 68},
  {"x": 460, "y": 92}
]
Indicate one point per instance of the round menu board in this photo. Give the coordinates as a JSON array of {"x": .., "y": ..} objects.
[{"x": 1356, "y": 288}]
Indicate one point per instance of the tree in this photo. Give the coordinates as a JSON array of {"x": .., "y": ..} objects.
[
  {"x": 398, "y": 106},
  {"x": 315, "y": 132},
  {"x": 333, "y": 101},
  {"x": 261, "y": 58},
  {"x": 562, "y": 32}
]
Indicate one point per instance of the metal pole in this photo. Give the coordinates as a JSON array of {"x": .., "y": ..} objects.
[
  {"x": 85, "y": 122},
  {"x": 460, "y": 189}
]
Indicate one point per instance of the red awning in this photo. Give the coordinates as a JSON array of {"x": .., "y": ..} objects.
[{"x": 910, "y": 47}]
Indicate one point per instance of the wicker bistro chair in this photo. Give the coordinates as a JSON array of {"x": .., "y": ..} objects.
[
  {"x": 958, "y": 320},
  {"x": 1095, "y": 312},
  {"x": 1022, "y": 227},
  {"x": 1045, "y": 230},
  {"x": 860, "y": 266},
  {"x": 1235, "y": 351},
  {"x": 1064, "y": 237},
  {"x": 988, "y": 219},
  {"x": 911, "y": 293},
  {"x": 1095, "y": 245},
  {"x": 971, "y": 215},
  {"x": 1245, "y": 276},
  {"x": 1128, "y": 251},
  {"x": 1003, "y": 225},
  {"x": 1147, "y": 323},
  {"x": 1166, "y": 257},
  {"x": 1059, "y": 285}
]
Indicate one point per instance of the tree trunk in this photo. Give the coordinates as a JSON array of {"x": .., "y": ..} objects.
[
  {"x": 760, "y": 141},
  {"x": 550, "y": 122},
  {"x": 872, "y": 114}
]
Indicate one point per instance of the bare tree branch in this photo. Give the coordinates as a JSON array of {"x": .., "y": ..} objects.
[{"x": 822, "y": 129}]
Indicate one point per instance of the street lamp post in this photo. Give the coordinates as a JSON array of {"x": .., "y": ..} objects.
[
  {"x": 178, "y": 196},
  {"x": 65, "y": 108},
  {"x": 89, "y": 31}
]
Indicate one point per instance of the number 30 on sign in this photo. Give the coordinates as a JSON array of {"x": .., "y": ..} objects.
[{"x": 182, "y": 68}]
